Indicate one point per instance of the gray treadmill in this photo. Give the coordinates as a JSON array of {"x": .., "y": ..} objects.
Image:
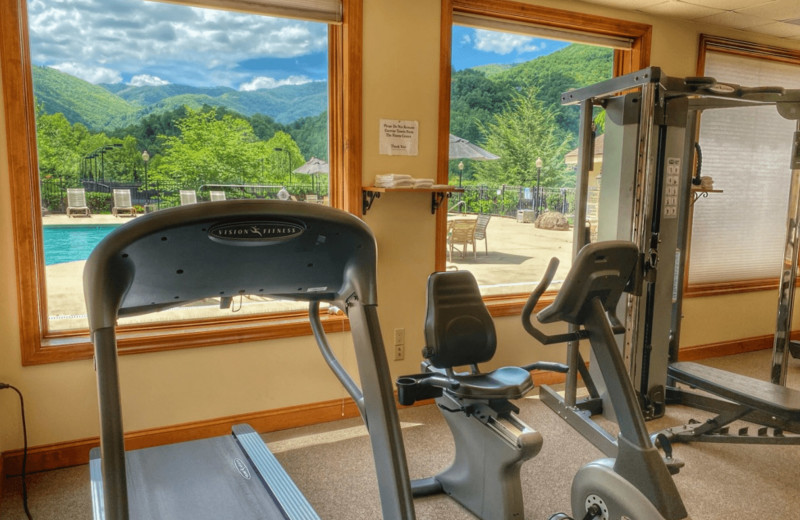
[{"x": 289, "y": 250}]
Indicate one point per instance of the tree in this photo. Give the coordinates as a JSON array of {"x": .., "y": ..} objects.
[
  {"x": 281, "y": 157},
  {"x": 211, "y": 151},
  {"x": 523, "y": 132}
]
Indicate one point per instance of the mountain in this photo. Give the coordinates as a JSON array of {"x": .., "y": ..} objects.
[
  {"x": 107, "y": 107},
  {"x": 79, "y": 100},
  {"x": 480, "y": 92}
]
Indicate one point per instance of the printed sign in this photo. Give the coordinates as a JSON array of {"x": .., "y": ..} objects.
[{"x": 399, "y": 137}]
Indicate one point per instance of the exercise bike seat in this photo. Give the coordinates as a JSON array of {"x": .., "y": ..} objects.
[
  {"x": 502, "y": 383},
  {"x": 459, "y": 331}
]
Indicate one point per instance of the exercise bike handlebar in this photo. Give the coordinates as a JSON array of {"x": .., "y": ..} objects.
[{"x": 530, "y": 305}]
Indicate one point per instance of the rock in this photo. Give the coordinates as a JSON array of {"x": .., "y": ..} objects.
[{"x": 552, "y": 220}]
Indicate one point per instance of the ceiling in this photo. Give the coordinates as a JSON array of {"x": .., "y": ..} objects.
[{"x": 779, "y": 18}]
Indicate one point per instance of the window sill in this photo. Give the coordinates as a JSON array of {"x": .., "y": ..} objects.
[{"x": 132, "y": 339}]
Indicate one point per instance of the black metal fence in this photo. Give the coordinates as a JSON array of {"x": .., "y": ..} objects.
[
  {"x": 508, "y": 200},
  {"x": 503, "y": 200},
  {"x": 159, "y": 194}
]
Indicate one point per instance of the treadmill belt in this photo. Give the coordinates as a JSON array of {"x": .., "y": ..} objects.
[{"x": 202, "y": 479}]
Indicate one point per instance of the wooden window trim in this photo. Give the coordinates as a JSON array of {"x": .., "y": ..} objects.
[
  {"x": 748, "y": 50},
  {"x": 624, "y": 62},
  {"x": 39, "y": 346}
]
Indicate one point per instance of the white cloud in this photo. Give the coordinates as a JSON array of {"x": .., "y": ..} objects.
[
  {"x": 504, "y": 43},
  {"x": 91, "y": 74},
  {"x": 146, "y": 80},
  {"x": 265, "y": 82},
  {"x": 165, "y": 40}
]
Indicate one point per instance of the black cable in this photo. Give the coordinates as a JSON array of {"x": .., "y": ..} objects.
[{"x": 24, "y": 449}]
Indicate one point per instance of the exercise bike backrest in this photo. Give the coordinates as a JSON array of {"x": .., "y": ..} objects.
[
  {"x": 601, "y": 270},
  {"x": 458, "y": 328}
]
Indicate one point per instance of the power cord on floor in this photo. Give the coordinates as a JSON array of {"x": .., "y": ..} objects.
[{"x": 24, "y": 449}]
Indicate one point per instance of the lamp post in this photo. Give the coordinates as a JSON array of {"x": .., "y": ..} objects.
[
  {"x": 146, "y": 159},
  {"x": 460, "y": 172},
  {"x": 539, "y": 164},
  {"x": 288, "y": 161}
]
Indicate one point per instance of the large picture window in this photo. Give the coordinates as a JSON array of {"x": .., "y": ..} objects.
[
  {"x": 738, "y": 235},
  {"x": 133, "y": 106},
  {"x": 510, "y": 142}
]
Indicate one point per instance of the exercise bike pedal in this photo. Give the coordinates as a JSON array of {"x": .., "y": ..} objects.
[
  {"x": 560, "y": 516},
  {"x": 662, "y": 441}
]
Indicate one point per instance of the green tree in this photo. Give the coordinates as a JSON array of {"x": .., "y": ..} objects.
[
  {"x": 211, "y": 151},
  {"x": 281, "y": 157},
  {"x": 523, "y": 132}
]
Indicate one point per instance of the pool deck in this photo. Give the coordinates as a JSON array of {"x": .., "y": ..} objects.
[{"x": 63, "y": 220}]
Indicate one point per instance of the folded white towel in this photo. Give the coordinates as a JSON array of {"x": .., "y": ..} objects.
[
  {"x": 394, "y": 180},
  {"x": 706, "y": 182}
]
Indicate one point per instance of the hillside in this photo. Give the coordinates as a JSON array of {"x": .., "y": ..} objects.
[
  {"x": 107, "y": 107},
  {"x": 479, "y": 93},
  {"x": 78, "y": 100}
]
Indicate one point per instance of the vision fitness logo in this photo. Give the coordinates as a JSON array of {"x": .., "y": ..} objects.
[{"x": 263, "y": 231}]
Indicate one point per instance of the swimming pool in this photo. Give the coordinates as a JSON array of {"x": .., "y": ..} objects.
[{"x": 72, "y": 243}]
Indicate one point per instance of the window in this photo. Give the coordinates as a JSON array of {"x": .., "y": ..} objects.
[
  {"x": 94, "y": 141},
  {"x": 509, "y": 139},
  {"x": 738, "y": 235}
]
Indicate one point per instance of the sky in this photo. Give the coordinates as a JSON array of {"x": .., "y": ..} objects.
[{"x": 136, "y": 42}]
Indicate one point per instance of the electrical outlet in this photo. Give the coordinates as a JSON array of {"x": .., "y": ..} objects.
[{"x": 399, "y": 344}]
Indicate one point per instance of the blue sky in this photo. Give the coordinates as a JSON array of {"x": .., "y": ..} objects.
[
  {"x": 473, "y": 47},
  {"x": 152, "y": 43}
]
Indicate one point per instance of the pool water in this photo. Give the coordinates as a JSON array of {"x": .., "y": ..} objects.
[{"x": 72, "y": 243}]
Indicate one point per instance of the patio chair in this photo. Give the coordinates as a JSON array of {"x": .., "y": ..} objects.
[
  {"x": 480, "y": 230},
  {"x": 312, "y": 198},
  {"x": 216, "y": 195},
  {"x": 123, "y": 204},
  {"x": 460, "y": 232},
  {"x": 76, "y": 202},
  {"x": 188, "y": 197}
]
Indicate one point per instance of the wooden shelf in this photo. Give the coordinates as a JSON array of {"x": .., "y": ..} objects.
[{"x": 438, "y": 194}]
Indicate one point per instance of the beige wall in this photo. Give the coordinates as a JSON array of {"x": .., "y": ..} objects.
[{"x": 401, "y": 64}]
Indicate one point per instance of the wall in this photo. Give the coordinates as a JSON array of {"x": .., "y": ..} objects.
[{"x": 401, "y": 71}]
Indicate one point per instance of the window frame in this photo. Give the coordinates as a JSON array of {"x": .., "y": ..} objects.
[
  {"x": 625, "y": 61},
  {"x": 38, "y": 345},
  {"x": 745, "y": 49}
]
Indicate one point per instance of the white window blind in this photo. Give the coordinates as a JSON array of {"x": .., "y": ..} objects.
[
  {"x": 327, "y": 11},
  {"x": 739, "y": 234},
  {"x": 542, "y": 31}
]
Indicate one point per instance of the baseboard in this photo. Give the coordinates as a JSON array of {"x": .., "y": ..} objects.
[
  {"x": 726, "y": 348},
  {"x": 73, "y": 453}
]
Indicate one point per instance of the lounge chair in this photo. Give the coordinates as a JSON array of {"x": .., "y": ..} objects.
[
  {"x": 216, "y": 195},
  {"x": 460, "y": 232},
  {"x": 188, "y": 197},
  {"x": 123, "y": 204},
  {"x": 76, "y": 202},
  {"x": 480, "y": 230},
  {"x": 313, "y": 199}
]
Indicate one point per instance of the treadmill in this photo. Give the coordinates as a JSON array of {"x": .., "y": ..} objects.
[{"x": 289, "y": 250}]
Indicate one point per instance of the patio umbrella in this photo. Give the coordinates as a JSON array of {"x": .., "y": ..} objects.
[
  {"x": 313, "y": 167},
  {"x": 460, "y": 148}
]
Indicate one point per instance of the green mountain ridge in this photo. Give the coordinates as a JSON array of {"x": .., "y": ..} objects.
[{"x": 110, "y": 106}]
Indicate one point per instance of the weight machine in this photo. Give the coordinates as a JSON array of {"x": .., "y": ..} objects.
[{"x": 646, "y": 191}]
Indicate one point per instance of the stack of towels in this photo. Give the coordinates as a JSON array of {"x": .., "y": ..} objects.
[{"x": 398, "y": 180}]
